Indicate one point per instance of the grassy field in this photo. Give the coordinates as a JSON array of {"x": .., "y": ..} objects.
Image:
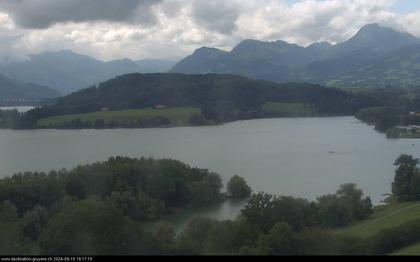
[
  {"x": 397, "y": 133},
  {"x": 413, "y": 250},
  {"x": 289, "y": 109},
  {"x": 177, "y": 116},
  {"x": 388, "y": 217}
]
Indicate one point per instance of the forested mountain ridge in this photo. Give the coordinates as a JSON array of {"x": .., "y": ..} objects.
[
  {"x": 211, "y": 98},
  {"x": 174, "y": 90},
  {"x": 344, "y": 64}
]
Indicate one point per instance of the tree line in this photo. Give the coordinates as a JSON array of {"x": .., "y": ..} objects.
[{"x": 398, "y": 106}]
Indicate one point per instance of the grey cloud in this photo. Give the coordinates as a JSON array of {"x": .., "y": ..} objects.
[
  {"x": 172, "y": 8},
  {"x": 44, "y": 13},
  {"x": 216, "y": 15}
]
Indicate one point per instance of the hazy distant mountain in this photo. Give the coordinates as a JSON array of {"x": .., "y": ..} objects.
[
  {"x": 400, "y": 67},
  {"x": 12, "y": 90},
  {"x": 67, "y": 71},
  {"x": 154, "y": 65},
  {"x": 348, "y": 61},
  {"x": 320, "y": 62},
  {"x": 274, "y": 61},
  {"x": 203, "y": 60},
  {"x": 376, "y": 38}
]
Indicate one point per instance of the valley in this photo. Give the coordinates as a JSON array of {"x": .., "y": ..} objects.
[{"x": 204, "y": 128}]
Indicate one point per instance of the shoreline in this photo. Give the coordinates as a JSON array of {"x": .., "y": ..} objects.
[{"x": 182, "y": 125}]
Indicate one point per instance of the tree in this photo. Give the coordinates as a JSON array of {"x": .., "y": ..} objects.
[
  {"x": 223, "y": 238},
  {"x": 12, "y": 241},
  {"x": 138, "y": 207},
  {"x": 165, "y": 237},
  {"x": 281, "y": 240},
  {"x": 191, "y": 240},
  {"x": 258, "y": 211},
  {"x": 208, "y": 112},
  {"x": 346, "y": 206},
  {"x": 34, "y": 222},
  {"x": 353, "y": 197},
  {"x": 8, "y": 212},
  {"x": 215, "y": 182},
  {"x": 406, "y": 184},
  {"x": 92, "y": 227},
  {"x": 99, "y": 123},
  {"x": 334, "y": 212},
  {"x": 206, "y": 191},
  {"x": 295, "y": 212},
  {"x": 238, "y": 188}
]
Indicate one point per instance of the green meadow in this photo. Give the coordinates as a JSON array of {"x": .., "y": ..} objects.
[
  {"x": 383, "y": 218},
  {"x": 177, "y": 116}
]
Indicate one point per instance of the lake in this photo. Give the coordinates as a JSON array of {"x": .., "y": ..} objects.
[
  {"x": 305, "y": 157},
  {"x": 21, "y": 109}
]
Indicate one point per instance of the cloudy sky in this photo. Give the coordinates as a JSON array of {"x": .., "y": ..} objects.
[{"x": 170, "y": 29}]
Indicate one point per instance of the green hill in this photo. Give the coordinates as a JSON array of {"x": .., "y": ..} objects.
[
  {"x": 384, "y": 218},
  {"x": 219, "y": 98},
  {"x": 413, "y": 250},
  {"x": 12, "y": 90},
  {"x": 142, "y": 117}
]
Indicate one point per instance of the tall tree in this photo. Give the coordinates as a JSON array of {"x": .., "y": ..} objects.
[
  {"x": 406, "y": 182},
  {"x": 238, "y": 188}
]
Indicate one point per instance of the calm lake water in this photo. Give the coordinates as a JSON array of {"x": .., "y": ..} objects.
[
  {"x": 21, "y": 109},
  {"x": 305, "y": 157}
]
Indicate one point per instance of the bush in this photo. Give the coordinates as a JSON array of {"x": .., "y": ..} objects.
[{"x": 389, "y": 240}]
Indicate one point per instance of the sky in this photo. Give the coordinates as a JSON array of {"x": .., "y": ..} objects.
[{"x": 172, "y": 29}]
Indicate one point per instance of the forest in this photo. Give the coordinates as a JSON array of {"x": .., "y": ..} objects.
[{"x": 99, "y": 209}]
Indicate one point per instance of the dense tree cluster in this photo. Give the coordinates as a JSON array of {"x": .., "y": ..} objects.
[
  {"x": 98, "y": 209},
  {"x": 143, "y": 182},
  {"x": 9, "y": 118},
  {"x": 335, "y": 210},
  {"x": 77, "y": 123},
  {"x": 138, "y": 189},
  {"x": 406, "y": 185},
  {"x": 391, "y": 107}
]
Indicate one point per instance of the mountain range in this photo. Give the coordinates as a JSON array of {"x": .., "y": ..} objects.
[
  {"x": 66, "y": 71},
  {"x": 15, "y": 91},
  {"x": 376, "y": 56}
]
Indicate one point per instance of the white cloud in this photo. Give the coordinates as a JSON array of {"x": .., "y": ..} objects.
[{"x": 177, "y": 27}]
